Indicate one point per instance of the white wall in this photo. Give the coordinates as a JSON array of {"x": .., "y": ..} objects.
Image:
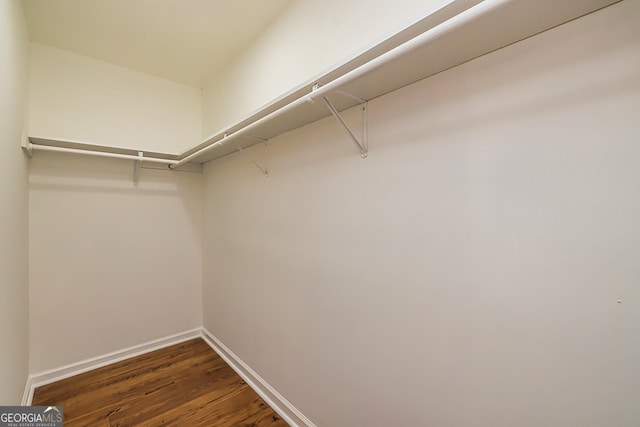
[
  {"x": 14, "y": 270},
  {"x": 112, "y": 264},
  {"x": 78, "y": 98},
  {"x": 307, "y": 38},
  {"x": 468, "y": 271}
]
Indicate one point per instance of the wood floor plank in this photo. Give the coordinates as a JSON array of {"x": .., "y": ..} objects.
[
  {"x": 241, "y": 407},
  {"x": 148, "y": 384},
  {"x": 186, "y": 384},
  {"x": 128, "y": 369},
  {"x": 160, "y": 401}
]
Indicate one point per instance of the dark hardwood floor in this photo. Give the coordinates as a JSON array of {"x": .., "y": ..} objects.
[{"x": 183, "y": 385}]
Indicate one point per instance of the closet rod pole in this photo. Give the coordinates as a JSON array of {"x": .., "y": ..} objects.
[
  {"x": 434, "y": 33},
  {"x": 228, "y": 136},
  {"x": 442, "y": 29},
  {"x": 37, "y": 147}
]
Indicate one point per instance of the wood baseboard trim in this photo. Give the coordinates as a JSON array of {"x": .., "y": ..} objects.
[
  {"x": 282, "y": 406},
  {"x": 52, "y": 375}
]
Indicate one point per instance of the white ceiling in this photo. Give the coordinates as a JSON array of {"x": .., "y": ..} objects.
[{"x": 180, "y": 40}]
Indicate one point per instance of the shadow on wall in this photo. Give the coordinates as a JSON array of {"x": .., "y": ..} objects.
[
  {"x": 482, "y": 96},
  {"x": 65, "y": 173},
  {"x": 430, "y": 128}
]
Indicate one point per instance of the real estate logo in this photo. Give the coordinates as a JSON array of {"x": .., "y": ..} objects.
[{"x": 31, "y": 416}]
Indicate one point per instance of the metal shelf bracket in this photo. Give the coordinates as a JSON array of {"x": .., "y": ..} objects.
[
  {"x": 136, "y": 167},
  {"x": 363, "y": 144},
  {"x": 263, "y": 169}
]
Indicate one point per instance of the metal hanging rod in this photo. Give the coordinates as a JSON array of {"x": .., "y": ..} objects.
[
  {"x": 316, "y": 93},
  {"x": 139, "y": 158},
  {"x": 483, "y": 12},
  {"x": 434, "y": 33}
]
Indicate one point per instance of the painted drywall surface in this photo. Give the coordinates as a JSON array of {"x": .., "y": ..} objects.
[
  {"x": 307, "y": 38},
  {"x": 113, "y": 264},
  {"x": 467, "y": 272},
  {"x": 14, "y": 270},
  {"x": 80, "y": 98}
]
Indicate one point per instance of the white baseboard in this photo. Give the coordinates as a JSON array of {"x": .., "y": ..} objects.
[
  {"x": 282, "y": 406},
  {"x": 27, "y": 396},
  {"x": 47, "y": 377}
]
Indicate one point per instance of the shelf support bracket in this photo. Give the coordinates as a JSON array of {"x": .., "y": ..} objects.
[
  {"x": 136, "y": 167},
  {"x": 263, "y": 169},
  {"x": 27, "y": 146},
  {"x": 363, "y": 145}
]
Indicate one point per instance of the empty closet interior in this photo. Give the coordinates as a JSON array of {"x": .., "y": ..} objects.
[{"x": 378, "y": 213}]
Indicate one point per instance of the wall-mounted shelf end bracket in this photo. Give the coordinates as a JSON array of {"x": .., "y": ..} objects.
[
  {"x": 363, "y": 144},
  {"x": 262, "y": 168},
  {"x": 27, "y": 146},
  {"x": 136, "y": 167}
]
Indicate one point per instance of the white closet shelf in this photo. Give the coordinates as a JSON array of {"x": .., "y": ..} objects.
[{"x": 459, "y": 32}]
